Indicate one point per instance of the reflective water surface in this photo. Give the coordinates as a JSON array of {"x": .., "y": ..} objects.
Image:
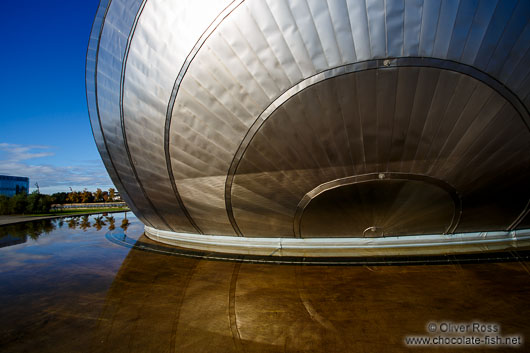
[
  {"x": 54, "y": 277},
  {"x": 66, "y": 286}
]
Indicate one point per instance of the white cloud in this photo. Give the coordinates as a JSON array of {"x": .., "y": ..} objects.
[
  {"x": 17, "y": 153},
  {"x": 15, "y": 160}
]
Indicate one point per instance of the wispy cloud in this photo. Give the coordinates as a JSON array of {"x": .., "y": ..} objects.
[
  {"x": 17, "y": 153},
  {"x": 23, "y": 160}
]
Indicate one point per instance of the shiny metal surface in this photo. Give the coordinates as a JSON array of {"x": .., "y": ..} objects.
[
  {"x": 105, "y": 115},
  {"x": 372, "y": 244},
  {"x": 384, "y": 214},
  {"x": 232, "y": 111},
  {"x": 290, "y": 154}
]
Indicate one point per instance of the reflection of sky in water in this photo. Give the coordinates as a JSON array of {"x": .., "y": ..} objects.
[
  {"x": 53, "y": 254},
  {"x": 59, "y": 233}
]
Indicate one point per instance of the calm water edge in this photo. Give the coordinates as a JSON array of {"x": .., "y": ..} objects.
[{"x": 69, "y": 286}]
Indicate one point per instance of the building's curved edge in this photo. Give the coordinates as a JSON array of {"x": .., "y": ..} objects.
[
  {"x": 434, "y": 244},
  {"x": 91, "y": 63},
  {"x": 122, "y": 120}
]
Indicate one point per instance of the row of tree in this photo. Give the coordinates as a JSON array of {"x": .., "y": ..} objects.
[
  {"x": 86, "y": 196},
  {"x": 36, "y": 202}
]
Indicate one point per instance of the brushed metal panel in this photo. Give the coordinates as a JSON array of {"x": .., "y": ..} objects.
[
  {"x": 496, "y": 27},
  {"x": 370, "y": 143},
  {"x": 112, "y": 49},
  {"x": 306, "y": 26},
  {"x": 521, "y": 78},
  {"x": 284, "y": 18},
  {"x": 445, "y": 28},
  {"x": 455, "y": 108},
  {"x": 375, "y": 11},
  {"x": 293, "y": 150},
  {"x": 97, "y": 83},
  {"x": 407, "y": 85},
  {"x": 425, "y": 89},
  {"x": 464, "y": 20},
  {"x": 323, "y": 25},
  {"x": 262, "y": 15},
  {"x": 412, "y": 24},
  {"x": 348, "y": 101},
  {"x": 518, "y": 21},
  {"x": 342, "y": 29},
  {"x": 395, "y": 22},
  {"x": 366, "y": 91},
  {"x": 429, "y": 26},
  {"x": 386, "y": 85},
  {"x": 91, "y": 60},
  {"x": 318, "y": 119},
  {"x": 359, "y": 20},
  {"x": 146, "y": 91},
  {"x": 205, "y": 204},
  {"x": 479, "y": 26},
  {"x": 446, "y": 88},
  {"x": 201, "y": 78},
  {"x": 251, "y": 52},
  {"x": 279, "y": 77},
  {"x": 519, "y": 52},
  {"x": 334, "y": 133}
]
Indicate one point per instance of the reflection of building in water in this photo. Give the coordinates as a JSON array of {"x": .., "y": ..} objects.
[
  {"x": 161, "y": 303},
  {"x": 9, "y": 240},
  {"x": 12, "y": 185},
  {"x": 258, "y": 120}
]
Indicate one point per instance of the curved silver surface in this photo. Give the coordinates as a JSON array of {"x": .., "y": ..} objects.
[
  {"x": 426, "y": 121},
  {"x": 379, "y": 177},
  {"x": 92, "y": 62},
  {"x": 431, "y": 244},
  {"x": 216, "y": 117}
]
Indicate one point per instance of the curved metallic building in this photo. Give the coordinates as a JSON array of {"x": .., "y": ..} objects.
[{"x": 311, "y": 124}]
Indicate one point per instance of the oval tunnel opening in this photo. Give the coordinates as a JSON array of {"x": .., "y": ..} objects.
[{"x": 378, "y": 208}]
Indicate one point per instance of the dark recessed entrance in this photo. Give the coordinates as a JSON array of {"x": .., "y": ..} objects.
[{"x": 375, "y": 208}]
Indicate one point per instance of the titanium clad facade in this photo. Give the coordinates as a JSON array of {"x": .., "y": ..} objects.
[{"x": 315, "y": 119}]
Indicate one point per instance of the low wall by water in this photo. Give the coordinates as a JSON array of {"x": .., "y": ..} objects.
[{"x": 88, "y": 205}]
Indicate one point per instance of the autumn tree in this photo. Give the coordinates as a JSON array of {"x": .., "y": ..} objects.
[
  {"x": 86, "y": 196},
  {"x": 112, "y": 193},
  {"x": 98, "y": 195},
  {"x": 72, "y": 197}
]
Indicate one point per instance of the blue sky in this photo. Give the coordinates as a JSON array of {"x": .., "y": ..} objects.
[{"x": 45, "y": 132}]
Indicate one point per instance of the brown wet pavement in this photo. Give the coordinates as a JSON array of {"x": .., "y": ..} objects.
[{"x": 164, "y": 303}]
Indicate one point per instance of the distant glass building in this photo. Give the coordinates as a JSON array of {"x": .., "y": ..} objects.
[{"x": 12, "y": 185}]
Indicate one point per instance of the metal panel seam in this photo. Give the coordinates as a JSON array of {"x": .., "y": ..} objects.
[
  {"x": 202, "y": 39},
  {"x": 97, "y": 105},
  {"x": 122, "y": 119}
]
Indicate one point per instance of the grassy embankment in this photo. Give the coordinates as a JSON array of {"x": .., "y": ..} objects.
[{"x": 79, "y": 211}]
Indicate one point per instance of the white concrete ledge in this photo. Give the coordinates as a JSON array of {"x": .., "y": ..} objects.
[{"x": 434, "y": 244}]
